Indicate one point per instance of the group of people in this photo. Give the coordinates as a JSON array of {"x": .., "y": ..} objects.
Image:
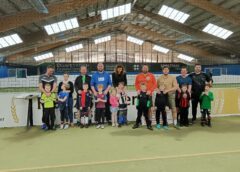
[{"x": 109, "y": 97}]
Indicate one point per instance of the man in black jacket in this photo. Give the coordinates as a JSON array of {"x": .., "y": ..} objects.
[
  {"x": 80, "y": 80},
  {"x": 199, "y": 80}
]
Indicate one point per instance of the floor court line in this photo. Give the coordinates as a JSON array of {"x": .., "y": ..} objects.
[{"x": 121, "y": 161}]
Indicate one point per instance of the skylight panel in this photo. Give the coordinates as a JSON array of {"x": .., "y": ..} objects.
[
  {"x": 160, "y": 49},
  {"x": 135, "y": 40},
  {"x": 43, "y": 56},
  {"x": 10, "y": 40},
  {"x": 217, "y": 31},
  {"x": 173, "y": 14},
  {"x": 102, "y": 39},
  {"x": 74, "y": 48},
  {"x": 185, "y": 57},
  {"x": 116, "y": 11},
  {"x": 61, "y": 26}
]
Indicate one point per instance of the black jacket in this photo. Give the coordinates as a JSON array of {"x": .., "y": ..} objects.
[
  {"x": 116, "y": 78},
  {"x": 161, "y": 101},
  {"x": 78, "y": 84}
]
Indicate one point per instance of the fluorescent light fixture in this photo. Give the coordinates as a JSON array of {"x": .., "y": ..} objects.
[
  {"x": 73, "y": 48},
  {"x": 173, "y": 14},
  {"x": 43, "y": 56},
  {"x": 10, "y": 40},
  {"x": 102, "y": 39},
  {"x": 160, "y": 49},
  {"x": 61, "y": 26},
  {"x": 135, "y": 40},
  {"x": 116, "y": 11},
  {"x": 217, "y": 31},
  {"x": 185, "y": 57}
]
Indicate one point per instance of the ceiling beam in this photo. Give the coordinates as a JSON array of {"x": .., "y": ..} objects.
[
  {"x": 159, "y": 38},
  {"x": 58, "y": 43},
  {"x": 216, "y": 10},
  {"x": 40, "y": 38},
  {"x": 29, "y": 16},
  {"x": 195, "y": 33}
]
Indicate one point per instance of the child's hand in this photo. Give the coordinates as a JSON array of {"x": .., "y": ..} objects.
[
  {"x": 167, "y": 108},
  {"x": 184, "y": 95},
  {"x": 80, "y": 108}
]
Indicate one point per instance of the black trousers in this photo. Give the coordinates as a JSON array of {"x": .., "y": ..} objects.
[
  {"x": 64, "y": 114},
  {"x": 100, "y": 115},
  {"x": 164, "y": 116},
  {"x": 49, "y": 114},
  {"x": 143, "y": 111},
  {"x": 195, "y": 101},
  {"x": 183, "y": 116},
  {"x": 205, "y": 113}
]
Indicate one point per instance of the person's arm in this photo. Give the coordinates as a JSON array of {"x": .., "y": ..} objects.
[
  {"x": 92, "y": 83},
  {"x": 154, "y": 84},
  {"x": 54, "y": 84},
  {"x": 76, "y": 84},
  {"x": 109, "y": 84},
  {"x": 210, "y": 96},
  {"x": 59, "y": 87},
  {"x": 71, "y": 87},
  {"x": 114, "y": 79},
  {"x": 125, "y": 79},
  {"x": 104, "y": 99},
  {"x": 137, "y": 84}
]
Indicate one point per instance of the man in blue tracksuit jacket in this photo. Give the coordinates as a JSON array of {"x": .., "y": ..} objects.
[{"x": 103, "y": 78}]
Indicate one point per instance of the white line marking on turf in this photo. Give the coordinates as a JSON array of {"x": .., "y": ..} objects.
[{"x": 121, "y": 161}]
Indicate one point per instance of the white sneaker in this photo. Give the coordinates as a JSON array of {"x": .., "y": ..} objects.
[
  {"x": 61, "y": 126},
  {"x": 98, "y": 126},
  {"x": 113, "y": 125},
  {"x": 66, "y": 127},
  {"x": 102, "y": 126}
]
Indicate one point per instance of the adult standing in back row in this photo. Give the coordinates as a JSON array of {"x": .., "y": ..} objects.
[
  {"x": 199, "y": 80},
  {"x": 170, "y": 84},
  {"x": 150, "y": 82},
  {"x": 102, "y": 78},
  {"x": 47, "y": 79},
  {"x": 119, "y": 75}
]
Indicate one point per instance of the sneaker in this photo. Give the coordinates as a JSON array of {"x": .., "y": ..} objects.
[
  {"x": 150, "y": 127},
  {"x": 66, "y": 127},
  {"x": 158, "y": 126},
  {"x": 177, "y": 127},
  {"x": 61, "y": 126},
  {"x": 165, "y": 127},
  {"x": 43, "y": 126},
  {"x": 98, "y": 126},
  {"x": 113, "y": 125},
  {"x": 119, "y": 125},
  {"x": 86, "y": 125},
  {"x": 102, "y": 126},
  {"x": 46, "y": 128},
  {"x": 135, "y": 126}
]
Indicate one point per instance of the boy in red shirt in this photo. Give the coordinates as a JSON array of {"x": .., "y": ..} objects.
[{"x": 184, "y": 99}]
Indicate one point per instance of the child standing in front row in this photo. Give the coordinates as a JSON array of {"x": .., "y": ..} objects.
[
  {"x": 101, "y": 100},
  {"x": 63, "y": 105},
  {"x": 123, "y": 103},
  {"x": 161, "y": 102},
  {"x": 114, "y": 106},
  {"x": 183, "y": 104},
  {"x": 85, "y": 102},
  {"x": 206, "y": 98},
  {"x": 143, "y": 106},
  {"x": 49, "y": 111}
]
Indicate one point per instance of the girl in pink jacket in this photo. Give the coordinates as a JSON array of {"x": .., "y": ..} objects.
[{"x": 114, "y": 106}]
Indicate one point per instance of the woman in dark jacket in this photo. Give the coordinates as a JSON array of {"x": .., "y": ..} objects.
[
  {"x": 119, "y": 75},
  {"x": 70, "y": 98}
]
